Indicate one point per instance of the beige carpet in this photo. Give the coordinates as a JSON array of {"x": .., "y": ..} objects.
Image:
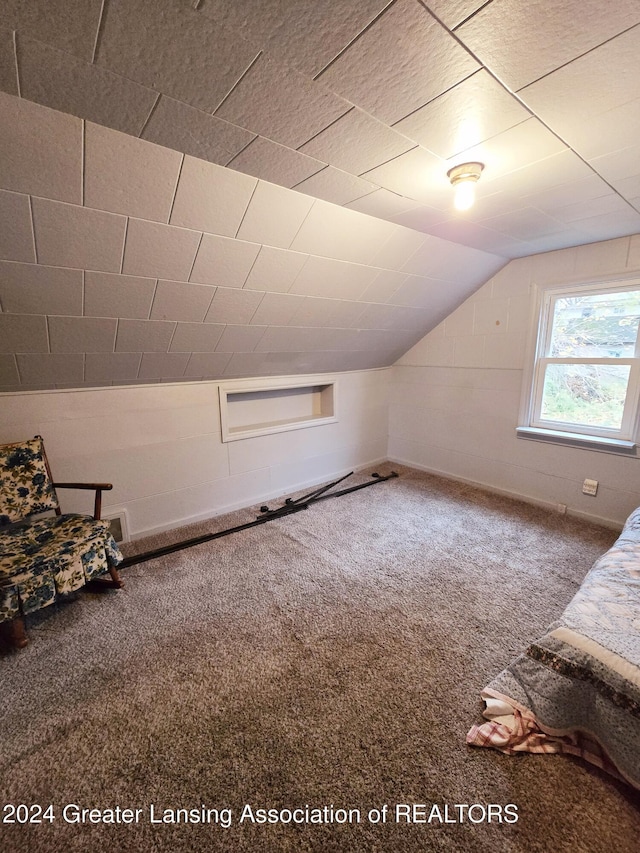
[{"x": 333, "y": 658}]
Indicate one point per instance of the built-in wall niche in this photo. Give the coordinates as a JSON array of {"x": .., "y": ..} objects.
[{"x": 264, "y": 407}]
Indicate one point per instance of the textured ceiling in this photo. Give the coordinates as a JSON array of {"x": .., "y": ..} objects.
[{"x": 117, "y": 266}]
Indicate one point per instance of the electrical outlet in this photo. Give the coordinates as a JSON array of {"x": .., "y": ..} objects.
[{"x": 590, "y": 487}]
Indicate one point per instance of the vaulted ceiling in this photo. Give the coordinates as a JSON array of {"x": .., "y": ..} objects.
[{"x": 232, "y": 187}]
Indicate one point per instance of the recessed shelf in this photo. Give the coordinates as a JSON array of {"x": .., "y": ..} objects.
[{"x": 264, "y": 407}]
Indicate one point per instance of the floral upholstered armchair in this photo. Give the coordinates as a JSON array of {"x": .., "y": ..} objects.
[{"x": 42, "y": 557}]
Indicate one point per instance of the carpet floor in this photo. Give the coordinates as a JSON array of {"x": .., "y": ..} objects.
[{"x": 332, "y": 659}]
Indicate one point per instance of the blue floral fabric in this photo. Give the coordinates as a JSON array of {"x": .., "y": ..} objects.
[
  {"x": 43, "y": 557},
  {"x": 25, "y": 486}
]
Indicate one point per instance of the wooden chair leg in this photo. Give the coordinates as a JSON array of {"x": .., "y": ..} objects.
[
  {"x": 15, "y": 633},
  {"x": 114, "y": 582},
  {"x": 118, "y": 583}
]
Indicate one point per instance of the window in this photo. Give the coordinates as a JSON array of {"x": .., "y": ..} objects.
[{"x": 586, "y": 372}]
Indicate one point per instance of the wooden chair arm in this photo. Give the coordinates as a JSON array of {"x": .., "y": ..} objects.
[
  {"x": 97, "y": 487},
  {"x": 102, "y": 486}
]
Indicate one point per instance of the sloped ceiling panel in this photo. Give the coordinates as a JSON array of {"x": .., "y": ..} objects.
[
  {"x": 285, "y": 91},
  {"x": 156, "y": 187},
  {"x": 124, "y": 261}
]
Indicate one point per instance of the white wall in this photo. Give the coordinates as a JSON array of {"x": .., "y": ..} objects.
[
  {"x": 161, "y": 447},
  {"x": 456, "y": 394}
]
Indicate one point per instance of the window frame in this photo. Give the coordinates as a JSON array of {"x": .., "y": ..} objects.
[{"x": 532, "y": 424}]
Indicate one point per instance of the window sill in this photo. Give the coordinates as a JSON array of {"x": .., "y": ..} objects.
[{"x": 576, "y": 439}]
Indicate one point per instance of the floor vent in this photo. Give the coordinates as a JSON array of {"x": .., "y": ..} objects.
[{"x": 118, "y": 525}]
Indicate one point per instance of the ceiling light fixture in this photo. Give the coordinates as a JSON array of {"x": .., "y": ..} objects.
[{"x": 464, "y": 178}]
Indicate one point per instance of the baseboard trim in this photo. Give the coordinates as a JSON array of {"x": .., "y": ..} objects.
[
  {"x": 305, "y": 484},
  {"x": 507, "y": 493}
]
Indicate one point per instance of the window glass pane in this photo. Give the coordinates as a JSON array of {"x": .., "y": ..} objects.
[
  {"x": 602, "y": 325},
  {"x": 585, "y": 394}
]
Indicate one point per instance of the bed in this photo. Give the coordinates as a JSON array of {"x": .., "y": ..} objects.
[{"x": 576, "y": 690}]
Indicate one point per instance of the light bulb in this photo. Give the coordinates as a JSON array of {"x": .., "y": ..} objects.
[
  {"x": 465, "y": 195},
  {"x": 464, "y": 177}
]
